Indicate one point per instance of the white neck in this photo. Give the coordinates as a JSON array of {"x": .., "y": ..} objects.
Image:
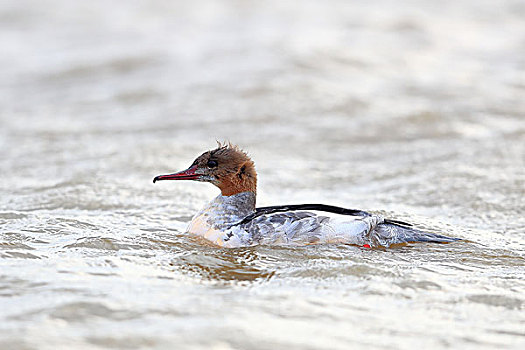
[{"x": 224, "y": 211}]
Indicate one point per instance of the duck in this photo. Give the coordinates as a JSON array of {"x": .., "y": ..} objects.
[{"x": 232, "y": 220}]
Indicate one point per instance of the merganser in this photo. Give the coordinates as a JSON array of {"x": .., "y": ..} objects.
[{"x": 232, "y": 220}]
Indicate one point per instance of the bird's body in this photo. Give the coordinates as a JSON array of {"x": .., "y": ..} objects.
[
  {"x": 221, "y": 222},
  {"x": 232, "y": 220}
]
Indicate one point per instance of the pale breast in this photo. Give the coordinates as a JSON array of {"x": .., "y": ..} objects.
[{"x": 200, "y": 226}]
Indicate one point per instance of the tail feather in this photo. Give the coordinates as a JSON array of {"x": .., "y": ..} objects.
[{"x": 386, "y": 234}]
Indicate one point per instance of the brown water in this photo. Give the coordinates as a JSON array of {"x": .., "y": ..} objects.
[{"x": 412, "y": 109}]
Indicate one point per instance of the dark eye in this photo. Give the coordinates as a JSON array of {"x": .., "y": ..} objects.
[{"x": 212, "y": 163}]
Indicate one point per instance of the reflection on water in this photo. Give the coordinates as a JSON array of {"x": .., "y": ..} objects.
[
  {"x": 413, "y": 110},
  {"x": 228, "y": 265}
]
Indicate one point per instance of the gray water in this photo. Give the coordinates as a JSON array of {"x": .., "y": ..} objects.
[{"x": 410, "y": 109}]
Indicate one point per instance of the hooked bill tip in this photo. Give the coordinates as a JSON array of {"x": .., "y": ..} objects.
[{"x": 155, "y": 179}]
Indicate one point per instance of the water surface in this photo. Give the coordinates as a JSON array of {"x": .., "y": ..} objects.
[{"x": 409, "y": 109}]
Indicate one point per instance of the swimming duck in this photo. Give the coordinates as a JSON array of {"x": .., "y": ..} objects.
[{"x": 232, "y": 219}]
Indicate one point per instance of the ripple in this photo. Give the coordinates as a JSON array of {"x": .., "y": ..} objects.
[
  {"x": 79, "y": 312},
  {"x": 102, "y": 243},
  {"x": 12, "y": 215},
  {"x": 13, "y": 286},
  {"x": 18, "y": 255},
  {"x": 14, "y": 245},
  {"x": 498, "y": 300}
]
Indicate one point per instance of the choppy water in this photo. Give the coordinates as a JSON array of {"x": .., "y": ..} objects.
[{"x": 412, "y": 109}]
